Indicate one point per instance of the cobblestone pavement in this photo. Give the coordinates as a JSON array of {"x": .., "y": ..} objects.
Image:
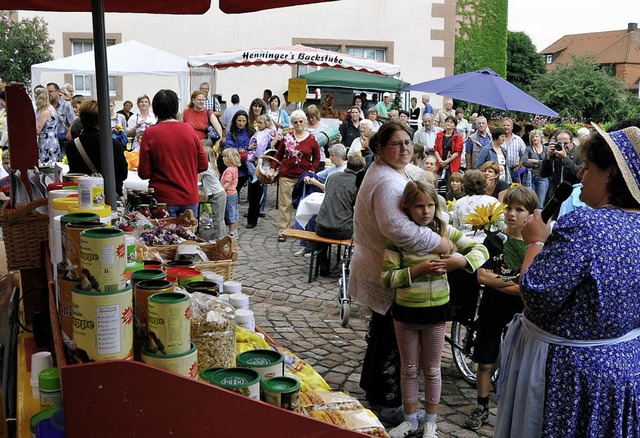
[{"x": 304, "y": 317}]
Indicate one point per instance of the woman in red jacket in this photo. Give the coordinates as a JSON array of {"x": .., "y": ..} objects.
[
  {"x": 448, "y": 148},
  {"x": 171, "y": 156}
]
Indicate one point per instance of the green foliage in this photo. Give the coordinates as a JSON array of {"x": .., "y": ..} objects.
[
  {"x": 22, "y": 43},
  {"x": 524, "y": 63},
  {"x": 582, "y": 91},
  {"x": 482, "y": 39}
]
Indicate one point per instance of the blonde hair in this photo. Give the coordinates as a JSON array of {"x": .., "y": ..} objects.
[
  {"x": 409, "y": 196},
  {"x": 491, "y": 165},
  {"x": 232, "y": 156},
  {"x": 193, "y": 96},
  {"x": 266, "y": 119},
  {"x": 43, "y": 100}
]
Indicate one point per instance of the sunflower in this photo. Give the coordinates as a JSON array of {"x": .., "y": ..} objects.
[{"x": 485, "y": 216}]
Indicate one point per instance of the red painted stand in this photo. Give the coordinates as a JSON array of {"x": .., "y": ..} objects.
[{"x": 122, "y": 398}]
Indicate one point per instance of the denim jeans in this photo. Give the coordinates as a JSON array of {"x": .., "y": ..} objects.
[
  {"x": 540, "y": 186},
  {"x": 175, "y": 210},
  {"x": 231, "y": 211}
]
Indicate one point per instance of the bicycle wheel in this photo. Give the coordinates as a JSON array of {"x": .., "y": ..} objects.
[{"x": 462, "y": 340}]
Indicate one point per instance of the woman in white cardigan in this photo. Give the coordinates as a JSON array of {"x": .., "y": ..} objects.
[{"x": 378, "y": 218}]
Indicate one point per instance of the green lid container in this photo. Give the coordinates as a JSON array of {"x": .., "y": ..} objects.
[
  {"x": 235, "y": 378},
  {"x": 259, "y": 358},
  {"x": 72, "y": 218},
  {"x": 169, "y": 297},
  {"x": 281, "y": 384},
  {"x": 102, "y": 233},
  {"x": 206, "y": 374},
  {"x": 49, "y": 379},
  {"x": 42, "y": 415},
  {"x": 148, "y": 274}
]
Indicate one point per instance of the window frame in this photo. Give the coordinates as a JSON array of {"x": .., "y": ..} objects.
[{"x": 67, "y": 49}]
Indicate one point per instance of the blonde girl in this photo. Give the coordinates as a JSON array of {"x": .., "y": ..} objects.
[
  {"x": 421, "y": 306},
  {"x": 229, "y": 181},
  {"x": 216, "y": 194}
]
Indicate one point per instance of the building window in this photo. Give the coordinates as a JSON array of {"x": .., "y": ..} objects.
[
  {"x": 77, "y": 43},
  {"x": 549, "y": 59},
  {"x": 377, "y": 50}
]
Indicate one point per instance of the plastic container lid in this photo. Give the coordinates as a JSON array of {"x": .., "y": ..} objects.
[
  {"x": 49, "y": 379},
  {"x": 259, "y": 358},
  {"x": 281, "y": 384},
  {"x": 233, "y": 378},
  {"x": 102, "y": 211},
  {"x": 206, "y": 374},
  {"x": 102, "y": 233},
  {"x": 168, "y": 297},
  {"x": 73, "y": 218},
  {"x": 148, "y": 274},
  {"x": 64, "y": 203},
  {"x": 42, "y": 415}
]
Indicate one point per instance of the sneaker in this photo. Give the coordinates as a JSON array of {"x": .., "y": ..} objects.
[
  {"x": 430, "y": 430},
  {"x": 479, "y": 417},
  {"x": 404, "y": 430},
  {"x": 398, "y": 417},
  {"x": 301, "y": 252},
  {"x": 307, "y": 254}
]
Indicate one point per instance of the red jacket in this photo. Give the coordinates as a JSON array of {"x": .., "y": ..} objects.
[
  {"x": 171, "y": 157},
  {"x": 297, "y": 158},
  {"x": 457, "y": 145}
]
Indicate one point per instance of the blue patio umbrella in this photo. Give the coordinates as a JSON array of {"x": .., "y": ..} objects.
[{"x": 485, "y": 87}]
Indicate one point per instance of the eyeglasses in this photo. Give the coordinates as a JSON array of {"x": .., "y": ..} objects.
[
  {"x": 397, "y": 144},
  {"x": 296, "y": 122}
]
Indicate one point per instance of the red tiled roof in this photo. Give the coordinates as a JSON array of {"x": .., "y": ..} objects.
[{"x": 612, "y": 47}]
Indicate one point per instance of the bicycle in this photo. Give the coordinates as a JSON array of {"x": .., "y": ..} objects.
[{"x": 344, "y": 300}]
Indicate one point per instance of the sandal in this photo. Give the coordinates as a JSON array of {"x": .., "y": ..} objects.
[{"x": 282, "y": 238}]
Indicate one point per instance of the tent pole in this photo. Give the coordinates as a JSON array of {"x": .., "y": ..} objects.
[{"x": 102, "y": 87}]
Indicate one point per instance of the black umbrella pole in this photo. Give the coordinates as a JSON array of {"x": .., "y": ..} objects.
[{"x": 102, "y": 85}]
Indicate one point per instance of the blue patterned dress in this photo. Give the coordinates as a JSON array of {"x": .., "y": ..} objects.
[
  {"x": 585, "y": 285},
  {"x": 48, "y": 145}
]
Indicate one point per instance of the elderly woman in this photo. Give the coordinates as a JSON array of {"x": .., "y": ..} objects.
[
  {"x": 572, "y": 362},
  {"x": 171, "y": 156},
  {"x": 379, "y": 219},
  {"x": 448, "y": 147},
  {"x": 298, "y": 153},
  {"x": 198, "y": 117},
  {"x": 89, "y": 141},
  {"x": 140, "y": 121},
  {"x": 533, "y": 156}
]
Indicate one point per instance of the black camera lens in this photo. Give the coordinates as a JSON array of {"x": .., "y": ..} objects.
[{"x": 558, "y": 146}]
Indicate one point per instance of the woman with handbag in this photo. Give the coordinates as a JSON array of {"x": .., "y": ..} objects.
[
  {"x": 201, "y": 119},
  {"x": 83, "y": 153}
]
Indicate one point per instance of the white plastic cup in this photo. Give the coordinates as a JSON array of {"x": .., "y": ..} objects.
[
  {"x": 246, "y": 319},
  {"x": 239, "y": 301},
  {"x": 224, "y": 297},
  {"x": 232, "y": 287},
  {"x": 39, "y": 361}
]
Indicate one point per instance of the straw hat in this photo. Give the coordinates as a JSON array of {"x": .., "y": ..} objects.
[{"x": 625, "y": 145}]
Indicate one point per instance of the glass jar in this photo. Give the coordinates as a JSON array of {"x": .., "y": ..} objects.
[
  {"x": 145, "y": 211},
  {"x": 161, "y": 211}
]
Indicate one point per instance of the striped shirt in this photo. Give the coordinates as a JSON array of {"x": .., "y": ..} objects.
[{"x": 426, "y": 290}]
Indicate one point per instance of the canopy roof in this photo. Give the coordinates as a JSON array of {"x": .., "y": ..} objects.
[
  {"x": 339, "y": 78},
  {"x": 130, "y": 58},
  {"x": 297, "y": 54}
]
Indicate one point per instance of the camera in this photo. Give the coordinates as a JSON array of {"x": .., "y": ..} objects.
[{"x": 558, "y": 146}]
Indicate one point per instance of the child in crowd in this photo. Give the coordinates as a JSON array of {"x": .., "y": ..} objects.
[
  {"x": 262, "y": 138},
  {"x": 421, "y": 306},
  {"x": 216, "y": 195},
  {"x": 500, "y": 299},
  {"x": 229, "y": 181},
  {"x": 455, "y": 191}
]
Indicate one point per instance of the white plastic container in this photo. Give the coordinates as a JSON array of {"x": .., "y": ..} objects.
[
  {"x": 239, "y": 301},
  {"x": 232, "y": 287},
  {"x": 246, "y": 319}
]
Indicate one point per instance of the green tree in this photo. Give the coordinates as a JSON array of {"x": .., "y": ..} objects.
[
  {"x": 524, "y": 63},
  {"x": 22, "y": 43},
  {"x": 582, "y": 91},
  {"x": 481, "y": 41}
]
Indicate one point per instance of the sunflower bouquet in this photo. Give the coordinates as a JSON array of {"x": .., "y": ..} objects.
[{"x": 486, "y": 218}]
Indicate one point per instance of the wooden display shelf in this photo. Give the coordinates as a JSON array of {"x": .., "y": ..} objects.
[{"x": 125, "y": 398}]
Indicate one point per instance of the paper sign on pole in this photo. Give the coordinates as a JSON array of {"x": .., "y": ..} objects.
[{"x": 297, "y": 90}]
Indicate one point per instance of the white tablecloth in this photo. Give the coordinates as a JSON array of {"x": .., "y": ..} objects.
[{"x": 309, "y": 207}]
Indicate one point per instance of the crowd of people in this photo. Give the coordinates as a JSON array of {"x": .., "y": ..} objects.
[{"x": 571, "y": 356}]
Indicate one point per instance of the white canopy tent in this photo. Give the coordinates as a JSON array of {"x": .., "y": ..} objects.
[{"x": 130, "y": 58}]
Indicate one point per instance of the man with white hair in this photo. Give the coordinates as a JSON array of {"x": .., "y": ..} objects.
[
  {"x": 444, "y": 113},
  {"x": 476, "y": 141},
  {"x": 428, "y": 108},
  {"x": 426, "y": 135},
  {"x": 583, "y": 134},
  {"x": 212, "y": 102}
]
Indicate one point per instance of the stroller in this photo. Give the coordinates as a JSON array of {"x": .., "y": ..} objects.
[{"x": 344, "y": 300}]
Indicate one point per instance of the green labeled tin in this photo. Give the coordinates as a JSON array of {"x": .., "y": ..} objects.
[
  {"x": 205, "y": 375},
  {"x": 283, "y": 392},
  {"x": 244, "y": 381},
  {"x": 169, "y": 321},
  {"x": 268, "y": 363}
]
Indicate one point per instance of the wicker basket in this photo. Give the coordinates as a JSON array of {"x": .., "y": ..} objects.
[
  {"x": 221, "y": 267},
  {"x": 263, "y": 166},
  {"x": 223, "y": 249},
  {"x": 24, "y": 230}
]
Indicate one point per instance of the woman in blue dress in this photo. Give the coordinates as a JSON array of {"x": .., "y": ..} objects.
[
  {"x": 571, "y": 365},
  {"x": 46, "y": 128}
]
